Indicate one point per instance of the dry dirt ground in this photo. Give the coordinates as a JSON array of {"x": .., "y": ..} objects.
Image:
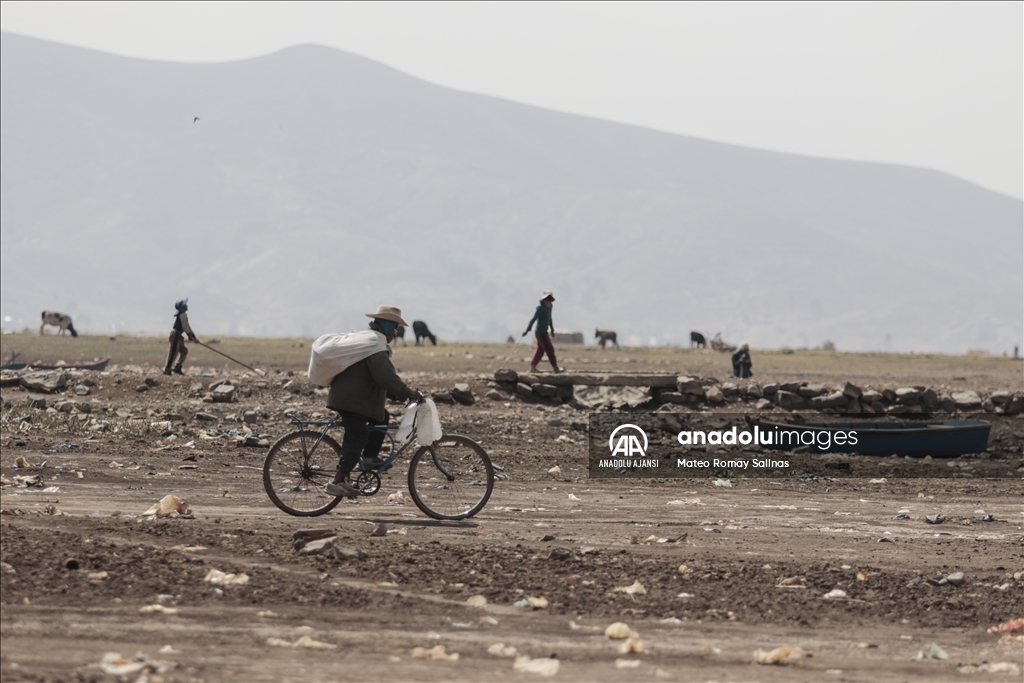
[{"x": 81, "y": 563}]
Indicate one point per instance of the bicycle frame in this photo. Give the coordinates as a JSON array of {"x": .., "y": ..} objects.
[{"x": 388, "y": 430}]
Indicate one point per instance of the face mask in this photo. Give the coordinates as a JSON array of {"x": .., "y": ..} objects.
[{"x": 386, "y": 326}]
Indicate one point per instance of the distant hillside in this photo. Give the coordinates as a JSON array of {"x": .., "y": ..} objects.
[{"x": 317, "y": 184}]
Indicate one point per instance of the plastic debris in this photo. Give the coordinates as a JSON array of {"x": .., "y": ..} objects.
[
  {"x": 835, "y": 594},
  {"x": 619, "y": 631},
  {"x": 20, "y": 462},
  {"x": 786, "y": 655},
  {"x": 306, "y": 641},
  {"x": 114, "y": 664},
  {"x": 935, "y": 519},
  {"x": 933, "y": 652},
  {"x": 723, "y": 482},
  {"x": 636, "y": 588},
  {"x": 627, "y": 663},
  {"x": 793, "y": 582},
  {"x": 572, "y": 496},
  {"x": 216, "y": 577},
  {"x": 158, "y": 609},
  {"x": 501, "y": 650},
  {"x": 544, "y": 667},
  {"x": 436, "y": 653},
  {"x": 632, "y": 645},
  {"x": 1008, "y": 668},
  {"x": 537, "y": 603},
  {"x": 1011, "y": 626},
  {"x": 477, "y": 602},
  {"x": 169, "y": 506},
  {"x": 399, "y": 498},
  {"x": 555, "y": 470}
]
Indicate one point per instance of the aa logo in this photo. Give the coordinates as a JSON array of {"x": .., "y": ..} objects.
[{"x": 628, "y": 442}]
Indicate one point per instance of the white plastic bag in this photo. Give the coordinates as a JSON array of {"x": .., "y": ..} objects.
[
  {"x": 334, "y": 353},
  {"x": 405, "y": 428},
  {"x": 428, "y": 425}
]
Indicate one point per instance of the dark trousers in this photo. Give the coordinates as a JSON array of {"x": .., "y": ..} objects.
[
  {"x": 359, "y": 440},
  {"x": 178, "y": 349},
  {"x": 544, "y": 345}
]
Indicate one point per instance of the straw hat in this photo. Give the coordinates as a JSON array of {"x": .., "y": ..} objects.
[
  {"x": 547, "y": 295},
  {"x": 389, "y": 313}
]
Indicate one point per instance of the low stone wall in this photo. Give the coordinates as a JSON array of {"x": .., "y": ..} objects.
[{"x": 708, "y": 392}]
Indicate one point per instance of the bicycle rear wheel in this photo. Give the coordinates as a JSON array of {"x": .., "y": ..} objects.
[
  {"x": 297, "y": 469},
  {"x": 452, "y": 479}
]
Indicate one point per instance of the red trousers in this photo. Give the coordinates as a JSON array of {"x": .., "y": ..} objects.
[{"x": 544, "y": 345}]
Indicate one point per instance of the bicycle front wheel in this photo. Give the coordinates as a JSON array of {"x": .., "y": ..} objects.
[
  {"x": 451, "y": 479},
  {"x": 297, "y": 469}
]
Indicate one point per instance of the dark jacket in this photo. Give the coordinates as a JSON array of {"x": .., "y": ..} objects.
[
  {"x": 543, "y": 319},
  {"x": 364, "y": 387}
]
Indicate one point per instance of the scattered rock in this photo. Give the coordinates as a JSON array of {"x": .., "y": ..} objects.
[
  {"x": 833, "y": 400},
  {"x": 443, "y": 396},
  {"x": 225, "y": 393},
  {"x": 524, "y": 389},
  {"x": 544, "y": 390},
  {"x": 463, "y": 394},
  {"x": 46, "y": 381},
  {"x": 495, "y": 395},
  {"x": 933, "y": 652},
  {"x": 966, "y": 400},
  {"x": 715, "y": 395},
  {"x": 851, "y": 390},
  {"x": 151, "y": 382},
  {"x": 787, "y": 400},
  {"x": 506, "y": 376},
  {"x": 379, "y": 531},
  {"x": 935, "y": 519},
  {"x": 206, "y": 417},
  {"x": 689, "y": 385}
]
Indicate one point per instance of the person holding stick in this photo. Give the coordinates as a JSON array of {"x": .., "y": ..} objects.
[
  {"x": 178, "y": 332},
  {"x": 542, "y": 317}
]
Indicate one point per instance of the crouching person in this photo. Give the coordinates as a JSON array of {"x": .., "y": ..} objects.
[{"x": 358, "y": 394}]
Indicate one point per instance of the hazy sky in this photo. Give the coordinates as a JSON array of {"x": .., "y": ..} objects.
[{"x": 932, "y": 85}]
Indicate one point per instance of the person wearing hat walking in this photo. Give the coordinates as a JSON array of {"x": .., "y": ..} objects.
[
  {"x": 358, "y": 394},
  {"x": 178, "y": 332},
  {"x": 542, "y": 317}
]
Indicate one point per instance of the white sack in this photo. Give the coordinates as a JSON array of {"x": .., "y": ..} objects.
[
  {"x": 334, "y": 353},
  {"x": 428, "y": 425}
]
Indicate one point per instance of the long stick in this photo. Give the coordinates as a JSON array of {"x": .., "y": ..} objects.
[
  {"x": 505, "y": 364},
  {"x": 261, "y": 373}
]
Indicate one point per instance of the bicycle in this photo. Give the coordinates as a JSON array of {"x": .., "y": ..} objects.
[{"x": 450, "y": 479}]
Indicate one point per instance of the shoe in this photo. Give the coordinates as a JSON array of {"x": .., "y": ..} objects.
[
  {"x": 533, "y": 368},
  {"x": 559, "y": 371},
  {"x": 342, "y": 488},
  {"x": 177, "y": 371},
  {"x": 167, "y": 372}
]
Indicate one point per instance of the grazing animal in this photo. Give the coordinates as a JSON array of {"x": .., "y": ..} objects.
[
  {"x": 400, "y": 334},
  {"x": 61, "y": 320},
  {"x": 697, "y": 339},
  {"x": 605, "y": 336},
  {"x": 420, "y": 329}
]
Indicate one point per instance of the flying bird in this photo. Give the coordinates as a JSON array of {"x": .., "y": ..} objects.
[{"x": 195, "y": 119}]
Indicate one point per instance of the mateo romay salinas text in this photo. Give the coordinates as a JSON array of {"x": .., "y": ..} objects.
[{"x": 821, "y": 439}]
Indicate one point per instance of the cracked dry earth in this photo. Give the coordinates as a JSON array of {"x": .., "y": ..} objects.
[{"x": 724, "y": 571}]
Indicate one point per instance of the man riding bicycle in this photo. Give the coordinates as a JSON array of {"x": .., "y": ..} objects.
[{"x": 358, "y": 395}]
